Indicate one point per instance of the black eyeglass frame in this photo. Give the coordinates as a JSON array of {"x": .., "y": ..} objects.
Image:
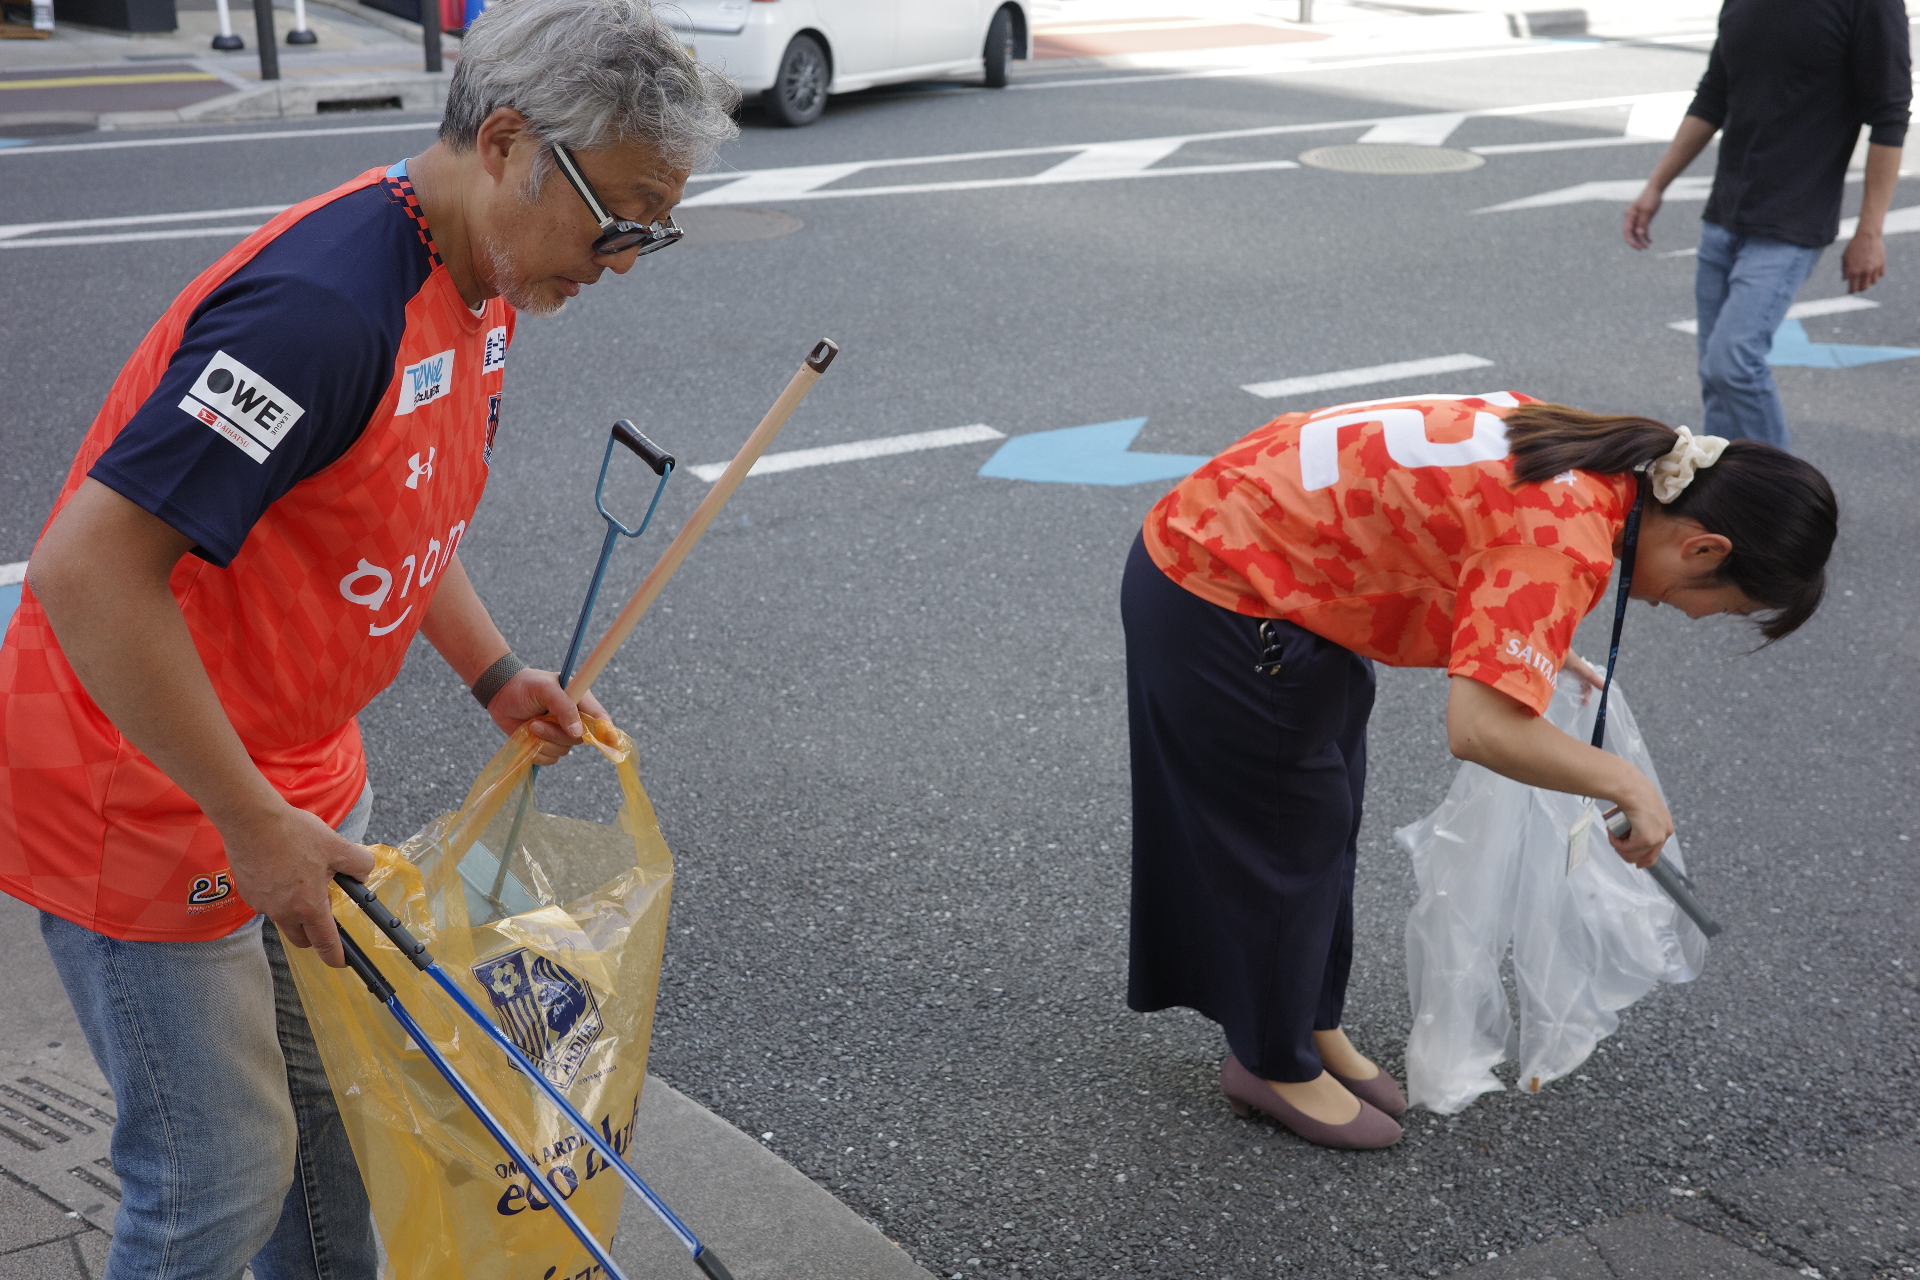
[{"x": 617, "y": 235}]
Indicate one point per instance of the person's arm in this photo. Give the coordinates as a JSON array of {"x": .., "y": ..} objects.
[
  {"x": 458, "y": 626},
  {"x": 101, "y": 573},
  {"x": 1865, "y": 259},
  {"x": 1693, "y": 136},
  {"x": 1491, "y": 729}
]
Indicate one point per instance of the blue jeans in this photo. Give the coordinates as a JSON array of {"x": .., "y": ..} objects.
[
  {"x": 1742, "y": 288},
  {"x": 222, "y": 1102}
]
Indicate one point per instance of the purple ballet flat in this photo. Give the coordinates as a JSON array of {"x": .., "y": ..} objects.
[
  {"x": 1381, "y": 1092},
  {"x": 1247, "y": 1093}
]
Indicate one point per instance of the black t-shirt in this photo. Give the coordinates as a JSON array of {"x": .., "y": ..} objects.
[
  {"x": 1789, "y": 83},
  {"x": 303, "y": 337}
]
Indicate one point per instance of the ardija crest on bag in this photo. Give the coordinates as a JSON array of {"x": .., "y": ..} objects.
[{"x": 548, "y": 1012}]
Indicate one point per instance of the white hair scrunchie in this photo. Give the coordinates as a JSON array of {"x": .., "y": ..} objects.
[{"x": 1673, "y": 471}]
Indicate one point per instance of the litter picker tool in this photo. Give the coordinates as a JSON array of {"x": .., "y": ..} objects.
[
  {"x": 1671, "y": 882},
  {"x": 383, "y": 990},
  {"x": 802, "y": 382},
  {"x": 661, "y": 461}
]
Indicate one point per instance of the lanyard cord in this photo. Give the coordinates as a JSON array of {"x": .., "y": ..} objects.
[{"x": 1629, "y": 547}]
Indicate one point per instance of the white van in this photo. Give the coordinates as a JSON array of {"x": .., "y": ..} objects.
[{"x": 793, "y": 53}]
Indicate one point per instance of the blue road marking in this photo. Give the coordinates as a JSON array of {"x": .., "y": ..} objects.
[
  {"x": 1791, "y": 346},
  {"x": 1096, "y": 454},
  {"x": 9, "y": 601}
]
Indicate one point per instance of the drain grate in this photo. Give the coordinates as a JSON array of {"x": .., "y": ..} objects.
[
  {"x": 56, "y": 1121},
  {"x": 1392, "y": 158}
]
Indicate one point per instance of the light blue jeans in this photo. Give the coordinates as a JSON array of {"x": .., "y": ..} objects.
[
  {"x": 222, "y": 1102},
  {"x": 1742, "y": 288}
]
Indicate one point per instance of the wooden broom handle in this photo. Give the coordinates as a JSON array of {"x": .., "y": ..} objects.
[{"x": 809, "y": 373}]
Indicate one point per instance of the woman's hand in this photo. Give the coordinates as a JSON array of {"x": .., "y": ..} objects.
[
  {"x": 1587, "y": 676},
  {"x": 534, "y": 698},
  {"x": 1652, "y": 824}
]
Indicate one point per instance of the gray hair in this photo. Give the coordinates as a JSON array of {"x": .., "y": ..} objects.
[{"x": 588, "y": 74}]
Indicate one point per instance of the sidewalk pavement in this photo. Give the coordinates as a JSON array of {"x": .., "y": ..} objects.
[
  {"x": 760, "y": 1214},
  {"x": 365, "y": 58}
]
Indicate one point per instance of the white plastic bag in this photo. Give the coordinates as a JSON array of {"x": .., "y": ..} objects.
[{"x": 1501, "y": 864}]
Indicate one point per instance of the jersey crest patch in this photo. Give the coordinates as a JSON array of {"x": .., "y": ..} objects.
[
  {"x": 544, "y": 1009},
  {"x": 423, "y": 383},
  {"x": 496, "y": 358}
]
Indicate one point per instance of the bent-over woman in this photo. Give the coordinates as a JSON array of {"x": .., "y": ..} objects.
[{"x": 1471, "y": 534}]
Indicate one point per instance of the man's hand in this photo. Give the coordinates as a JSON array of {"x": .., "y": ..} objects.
[
  {"x": 1864, "y": 262},
  {"x": 534, "y": 698},
  {"x": 1638, "y": 223},
  {"x": 283, "y": 860}
]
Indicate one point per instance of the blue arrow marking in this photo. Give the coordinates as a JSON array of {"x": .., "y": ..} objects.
[
  {"x": 1791, "y": 346},
  {"x": 1087, "y": 455},
  {"x": 9, "y": 601}
]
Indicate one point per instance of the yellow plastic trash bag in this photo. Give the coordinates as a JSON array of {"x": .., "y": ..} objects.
[{"x": 563, "y": 949}]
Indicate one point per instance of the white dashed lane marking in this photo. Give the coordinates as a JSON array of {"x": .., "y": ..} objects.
[
  {"x": 1371, "y": 373},
  {"x": 1798, "y": 311},
  {"x": 794, "y": 459}
]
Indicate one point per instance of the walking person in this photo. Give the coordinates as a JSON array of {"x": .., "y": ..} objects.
[
  {"x": 266, "y": 511},
  {"x": 1470, "y": 534},
  {"x": 1789, "y": 87}
]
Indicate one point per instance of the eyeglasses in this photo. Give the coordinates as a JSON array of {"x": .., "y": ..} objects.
[{"x": 617, "y": 235}]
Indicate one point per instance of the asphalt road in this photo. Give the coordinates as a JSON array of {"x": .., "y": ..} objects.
[{"x": 882, "y": 712}]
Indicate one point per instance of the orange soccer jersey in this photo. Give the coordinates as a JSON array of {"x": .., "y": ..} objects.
[
  {"x": 301, "y": 611},
  {"x": 1394, "y": 528}
]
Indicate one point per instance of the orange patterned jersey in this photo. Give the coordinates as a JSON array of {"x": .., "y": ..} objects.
[
  {"x": 317, "y": 411},
  {"x": 1394, "y": 528}
]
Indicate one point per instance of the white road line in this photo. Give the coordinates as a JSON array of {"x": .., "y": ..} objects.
[
  {"x": 1361, "y": 377},
  {"x": 1798, "y": 311},
  {"x": 1620, "y": 191},
  {"x": 18, "y": 229},
  {"x": 45, "y": 242},
  {"x": 794, "y": 459},
  {"x": 1431, "y": 130},
  {"x": 1898, "y": 222},
  {"x": 1564, "y": 144},
  {"x": 12, "y": 574},
  {"x": 1084, "y": 161},
  {"x": 215, "y": 137}
]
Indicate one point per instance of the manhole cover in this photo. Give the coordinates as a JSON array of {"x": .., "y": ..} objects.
[
  {"x": 730, "y": 224},
  {"x": 1391, "y": 157}
]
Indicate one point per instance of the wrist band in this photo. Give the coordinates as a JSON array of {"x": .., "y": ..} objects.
[{"x": 495, "y": 676}]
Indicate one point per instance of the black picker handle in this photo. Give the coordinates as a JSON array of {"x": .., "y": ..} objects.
[
  {"x": 384, "y": 920},
  {"x": 1671, "y": 882},
  {"x": 650, "y": 453}
]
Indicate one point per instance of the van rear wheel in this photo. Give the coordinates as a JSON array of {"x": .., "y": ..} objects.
[{"x": 799, "y": 92}]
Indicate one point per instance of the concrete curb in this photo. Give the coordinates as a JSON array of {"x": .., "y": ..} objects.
[
  {"x": 762, "y": 1217},
  {"x": 308, "y": 96}
]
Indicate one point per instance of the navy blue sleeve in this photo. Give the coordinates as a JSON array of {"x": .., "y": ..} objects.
[{"x": 274, "y": 379}]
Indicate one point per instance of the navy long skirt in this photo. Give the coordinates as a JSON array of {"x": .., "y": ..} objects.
[{"x": 1246, "y": 815}]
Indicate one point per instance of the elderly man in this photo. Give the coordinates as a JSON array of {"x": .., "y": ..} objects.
[
  {"x": 266, "y": 511},
  {"x": 1790, "y": 85}
]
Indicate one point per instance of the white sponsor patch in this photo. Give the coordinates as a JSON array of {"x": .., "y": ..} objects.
[
  {"x": 243, "y": 399},
  {"x": 424, "y": 383},
  {"x": 218, "y": 421},
  {"x": 496, "y": 359}
]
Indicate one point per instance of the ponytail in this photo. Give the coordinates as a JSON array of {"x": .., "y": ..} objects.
[{"x": 1778, "y": 511}]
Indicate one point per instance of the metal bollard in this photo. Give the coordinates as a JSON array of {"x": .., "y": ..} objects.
[
  {"x": 301, "y": 33},
  {"x": 263, "y": 32},
  {"x": 226, "y": 40},
  {"x": 430, "y": 32}
]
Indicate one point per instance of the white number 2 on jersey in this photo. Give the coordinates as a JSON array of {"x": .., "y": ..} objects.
[{"x": 1406, "y": 435}]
